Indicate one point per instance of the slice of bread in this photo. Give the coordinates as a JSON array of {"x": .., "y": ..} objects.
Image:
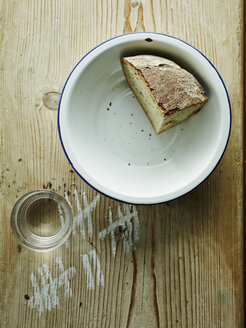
[{"x": 168, "y": 93}]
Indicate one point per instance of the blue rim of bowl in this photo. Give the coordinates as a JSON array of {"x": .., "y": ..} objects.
[{"x": 119, "y": 36}]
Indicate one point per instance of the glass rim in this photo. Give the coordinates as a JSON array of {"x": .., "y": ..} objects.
[{"x": 28, "y": 238}]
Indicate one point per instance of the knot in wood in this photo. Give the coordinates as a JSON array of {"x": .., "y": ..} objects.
[{"x": 51, "y": 100}]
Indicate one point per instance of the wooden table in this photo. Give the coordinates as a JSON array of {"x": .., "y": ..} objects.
[{"x": 183, "y": 267}]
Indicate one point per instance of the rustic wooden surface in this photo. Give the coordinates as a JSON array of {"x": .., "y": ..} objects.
[{"x": 186, "y": 269}]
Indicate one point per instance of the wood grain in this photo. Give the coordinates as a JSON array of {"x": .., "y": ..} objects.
[{"x": 187, "y": 268}]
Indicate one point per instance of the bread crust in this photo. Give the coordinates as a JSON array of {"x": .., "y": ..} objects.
[{"x": 172, "y": 88}]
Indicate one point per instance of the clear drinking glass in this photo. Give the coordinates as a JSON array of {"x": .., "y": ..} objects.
[{"x": 41, "y": 220}]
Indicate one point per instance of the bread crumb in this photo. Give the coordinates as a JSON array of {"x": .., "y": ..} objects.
[
  {"x": 71, "y": 171},
  {"x": 19, "y": 159}
]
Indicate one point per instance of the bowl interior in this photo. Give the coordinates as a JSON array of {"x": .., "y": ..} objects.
[{"x": 110, "y": 141}]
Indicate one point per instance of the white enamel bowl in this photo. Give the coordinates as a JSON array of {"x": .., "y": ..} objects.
[{"x": 110, "y": 142}]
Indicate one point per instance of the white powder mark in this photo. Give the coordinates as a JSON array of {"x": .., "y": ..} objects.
[
  {"x": 45, "y": 291},
  {"x": 113, "y": 226},
  {"x": 67, "y": 243},
  {"x": 84, "y": 214},
  {"x": 67, "y": 199},
  {"x": 45, "y": 298},
  {"x": 96, "y": 267},
  {"x": 129, "y": 230},
  {"x": 125, "y": 238},
  {"x": 78, "y": 206},
  {"x": 87, "y": 212},
  {"x": 113, "y": 243},
  {"x": 136, "y": 225},
  {"x": 60, "y": 214},
  {"x": 65, "y": 276},
  {"x": 60, "y": 211},
  {"x": 87, "y": 268},
  {"x": 130, "y": 243}
]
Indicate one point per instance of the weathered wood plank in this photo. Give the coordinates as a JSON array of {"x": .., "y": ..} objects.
[{"x": 186, "y": 269}]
